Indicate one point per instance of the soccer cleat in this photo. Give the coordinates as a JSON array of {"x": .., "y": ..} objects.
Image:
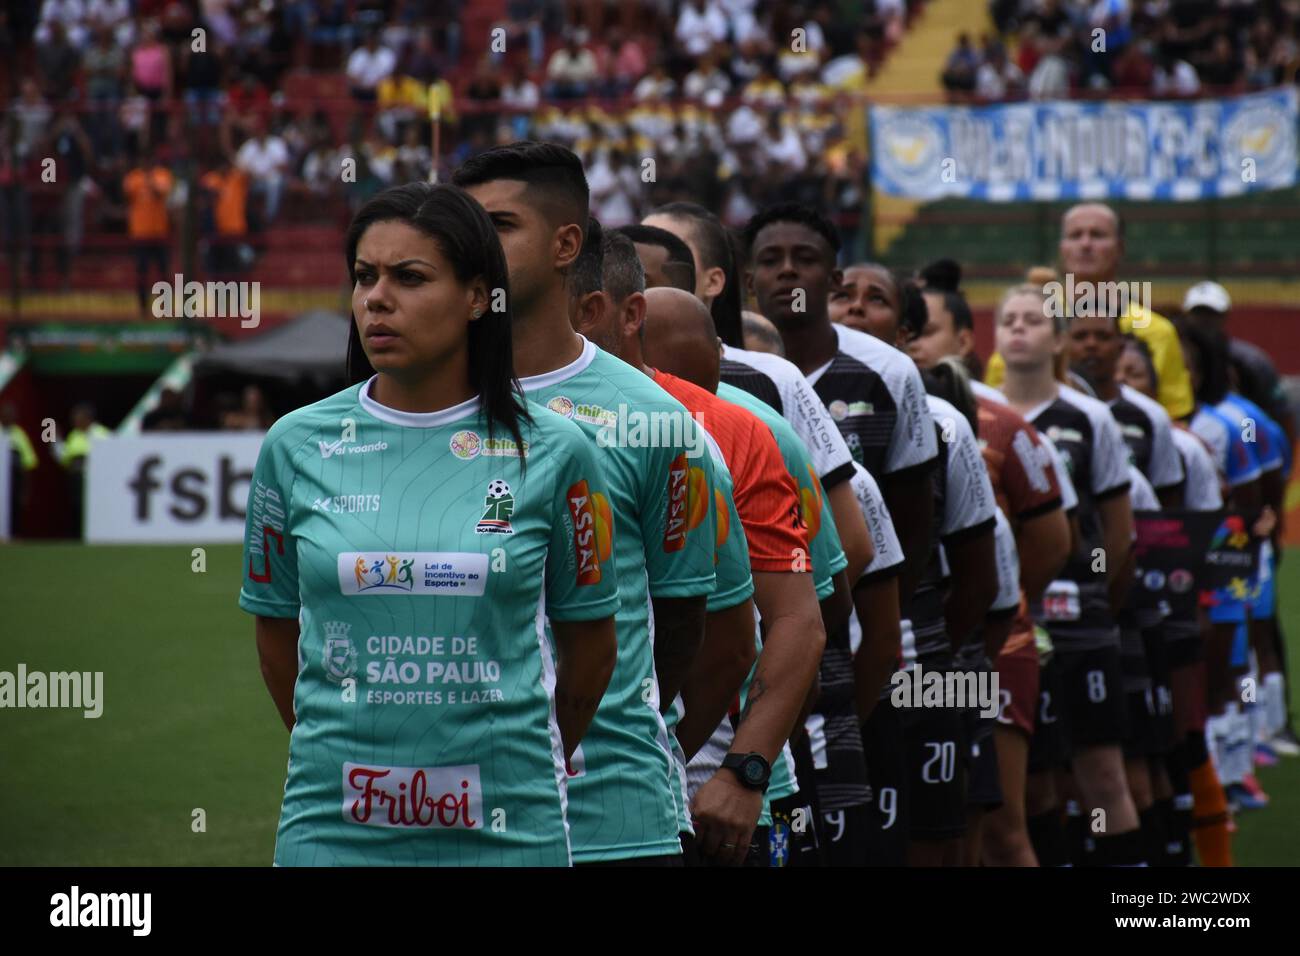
[
  {"x": 1284, "y": 743},
  {"x": 1239, "y": 798},
  {"x": 1265, "y": 756},
  {"x": 1251, "y": 783}
]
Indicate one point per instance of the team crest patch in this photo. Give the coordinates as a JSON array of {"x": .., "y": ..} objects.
[{"x": 498, "y": 506}]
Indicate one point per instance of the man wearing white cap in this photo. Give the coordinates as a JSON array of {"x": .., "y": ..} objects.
[{"x": 1207, "y": 305}]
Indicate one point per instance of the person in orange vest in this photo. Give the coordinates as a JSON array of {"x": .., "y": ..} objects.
[{"x": 146, "y": 188}]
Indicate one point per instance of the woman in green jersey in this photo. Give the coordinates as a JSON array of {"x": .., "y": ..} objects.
[{"x": 425, "y": 555}]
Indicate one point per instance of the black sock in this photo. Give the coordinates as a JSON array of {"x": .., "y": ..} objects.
[
  {"x": 1122, "y": 849},
  {"x": 1078, "y": 841},
  {"x": 1178, "y": 825},
  {"x": 1048, "y": 838},
  {"x": 1154, "y": 835}
]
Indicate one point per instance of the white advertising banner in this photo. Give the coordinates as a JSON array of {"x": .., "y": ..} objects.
[{"x": 170, "y": 487}]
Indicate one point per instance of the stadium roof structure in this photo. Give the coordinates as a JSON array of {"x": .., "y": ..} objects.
[{"x": 313, "y": 344}]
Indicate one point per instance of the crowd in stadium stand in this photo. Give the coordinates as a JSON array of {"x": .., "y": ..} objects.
[
  {"x": 730, "y": 99},
  {"x": 1162, "y": 48}
]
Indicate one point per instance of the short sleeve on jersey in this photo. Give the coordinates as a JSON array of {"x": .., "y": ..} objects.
[
  {"x": 772, "y": 504},
  {"x": 586, "y": 588},
  {"x": 678, "y": 491},
  {"x": 1166, "y": 466},
  {"x": 1233, "y": 457},
  {"x": 1257, "y": 428},
  {"x": 805, "y": 412},
  {"x": 270, "y": 585},
  {"x": 913, "y": 441},
  {"x": 734, "y": 583},
  {"x": 1201, "y": 491},
  {"x": 968, "y": 503},
  {"x": 888, "y": 560},
  {"x": 1141, "y": 494},
  {"x": 1108, "y": 475},
  {"x": 1004, "y": 544},
  {"x": 1023, "y": 464}
]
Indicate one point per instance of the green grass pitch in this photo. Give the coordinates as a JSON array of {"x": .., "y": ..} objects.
[{"x": 188, "y": 726}]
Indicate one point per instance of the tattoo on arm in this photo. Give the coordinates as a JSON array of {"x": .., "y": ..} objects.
[{"x": 756, "y": 690}]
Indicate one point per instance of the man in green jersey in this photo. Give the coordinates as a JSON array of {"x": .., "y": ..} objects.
[{"x": 622, "y": 804}]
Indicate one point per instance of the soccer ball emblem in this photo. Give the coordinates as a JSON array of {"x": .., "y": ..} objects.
[{"x": 498, "y": 489}]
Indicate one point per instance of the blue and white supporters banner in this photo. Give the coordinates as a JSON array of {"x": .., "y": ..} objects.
[{"x": 1172, "y": 151}]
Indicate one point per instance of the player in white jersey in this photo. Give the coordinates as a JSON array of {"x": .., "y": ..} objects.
[{"x": 1079, "y": 608}]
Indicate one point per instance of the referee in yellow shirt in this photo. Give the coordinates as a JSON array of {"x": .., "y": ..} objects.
[{"x": 1091, "y": 247}]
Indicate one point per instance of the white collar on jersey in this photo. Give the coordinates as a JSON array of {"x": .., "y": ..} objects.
[
  {"x": 444, "y": 416},
  {"x": 565, "y": 372}
]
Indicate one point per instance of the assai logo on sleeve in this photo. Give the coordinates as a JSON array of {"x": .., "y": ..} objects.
[
  {"x": 431, "y": 798},
  {"x": 688, "y": 502},
  {"x": 585, "y": 545},
  {"x": 498, "y": 506},
  {"x": 456, "y": 573}
]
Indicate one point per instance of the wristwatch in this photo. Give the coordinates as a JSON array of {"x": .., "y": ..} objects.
[{"x": 751, "y": 769}]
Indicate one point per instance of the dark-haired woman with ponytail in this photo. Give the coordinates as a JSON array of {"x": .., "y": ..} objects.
[{"x": 404, "y": 537}]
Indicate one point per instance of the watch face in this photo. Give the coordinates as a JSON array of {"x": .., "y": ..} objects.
[{"x": 753, "y": 771}]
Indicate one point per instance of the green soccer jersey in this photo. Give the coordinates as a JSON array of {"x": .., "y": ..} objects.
[
  {"x": 735, "y": 584},
  {"x": 623, "y": 794},
  {"x": 416, "y": 554},
  {"x": 827, "y": 555}
]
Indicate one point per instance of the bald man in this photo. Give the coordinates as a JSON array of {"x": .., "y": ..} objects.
[
  {"x": 1091, "y": 248},
  {"x": 760, "y": 334},
  {"x": 677, "y": 325}
]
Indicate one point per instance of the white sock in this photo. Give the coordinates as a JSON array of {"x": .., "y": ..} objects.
[
  {"x": 1274, "y": 702},
  {"x": 1216, "y": 738}
]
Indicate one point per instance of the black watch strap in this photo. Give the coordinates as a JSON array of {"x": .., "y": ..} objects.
[{"x": 751, "y": 769}]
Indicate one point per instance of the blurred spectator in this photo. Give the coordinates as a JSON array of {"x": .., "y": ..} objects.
[
  {"x": 626, "y": 61},
  {"x": 15, "y": 207},
  {"x": 202, "y": 74},
  {"x": 251, "y": 414},
  {"x": 960, "y": 68},
  {"x": 22, "y": 462},
  {"x": 658, "y": 85},
  {"x": 368, "y": 65},
  {"x": 168, "y": 415},
  {"x": 1133, "y": 71},
  {"x": 521, "y": 96},
  {"x": 615, "y": 186},
  {"x": 707, "y": 82},
  {"x": 104, "y": 66},
  {"x": 151, "y": 71},
  {"x": 401, "y": 98},
  {"x": 133, "y": 121},
  {"x": 413, "y": 157},
  {"x": 114, "y": 16},
  {"x": 1220, "y": 68},
  {"x": 484, "y": 90},
  {"x": 246, "y": 99},
  {"x": 1174, "y": 77},
  {"x": 998, "y": 77},
  {"x": 57, "y": 60},
  {"x": 523, "y": 19},
  {"x": 146, "y": 188},
  {"x": 73, "y": 154},
  {"x": 571, "y": 72},
  {"x": 72, "y": 453},
  {"x": 265, "y": 159},
  {"x": 69, "y": 15},
  {"x": 226, "y": 188},
  {"x": 33, "y": 115},
  {"x": 700, "y": 25}
]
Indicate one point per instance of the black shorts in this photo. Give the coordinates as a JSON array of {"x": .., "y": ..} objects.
[
  {"x": 757, "y": 857},
  {"x": 984, "y": 789},
  {"x": 1047, "y": 747},
  {"x": 937, "y": 769},
  {"x": 844, "y": 835},
  {"x": 887, "y": 816},
  {"x": 1183, "y": 645},
  {"x": 1092, "y": 686}
]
